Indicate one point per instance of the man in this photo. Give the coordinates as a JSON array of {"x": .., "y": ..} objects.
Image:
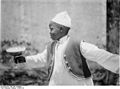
[{"x": 67, "y": 57}]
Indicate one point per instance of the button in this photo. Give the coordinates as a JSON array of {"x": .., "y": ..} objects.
[
  {"x": 64, "y": 56},
  {"x": 69, "y": 68},
  {"x": 67, "y": 65},
  {"x": 66, "y": 62}
]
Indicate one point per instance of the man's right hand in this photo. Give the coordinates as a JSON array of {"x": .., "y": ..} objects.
[{"x": 19, "y": 59}]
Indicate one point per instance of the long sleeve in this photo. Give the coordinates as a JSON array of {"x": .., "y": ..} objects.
[
  {"x": 38, "y": 60},
  {"x": 104, "y": 58}
]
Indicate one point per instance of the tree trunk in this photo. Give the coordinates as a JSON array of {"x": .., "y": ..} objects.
[{"x": 113, "y": 27}]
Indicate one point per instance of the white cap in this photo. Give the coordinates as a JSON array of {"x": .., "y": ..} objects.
[{"x": 62, "y": 18}]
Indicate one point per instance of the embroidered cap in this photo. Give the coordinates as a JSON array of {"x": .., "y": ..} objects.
[{"x": 62, "y": 18}]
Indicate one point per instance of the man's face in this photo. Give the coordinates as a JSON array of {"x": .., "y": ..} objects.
[{"x": 55, "y": 32}]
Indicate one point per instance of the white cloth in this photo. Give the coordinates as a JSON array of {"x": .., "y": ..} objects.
[
  {"x": 104, "y": 58},
  {"x": 61, "y": 76}
]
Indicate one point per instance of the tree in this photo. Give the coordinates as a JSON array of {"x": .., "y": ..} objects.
[{"x": 113, "y": 27}]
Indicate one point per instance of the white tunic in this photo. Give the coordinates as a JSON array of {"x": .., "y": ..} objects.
[{"x": 61, "y": 75}]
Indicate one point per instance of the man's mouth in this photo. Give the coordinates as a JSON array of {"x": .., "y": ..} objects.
[{"x": 52, "y": 35}]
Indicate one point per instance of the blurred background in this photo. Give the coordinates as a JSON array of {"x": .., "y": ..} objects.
[{"x": 25, "y": 22}]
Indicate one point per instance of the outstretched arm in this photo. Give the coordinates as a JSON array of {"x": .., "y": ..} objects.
[
  {"x": 38, "y": 60},
  {"x": 104, "y": 58}
]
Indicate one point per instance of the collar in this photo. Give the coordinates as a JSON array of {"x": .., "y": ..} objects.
[{"x": 63, "y": 39}]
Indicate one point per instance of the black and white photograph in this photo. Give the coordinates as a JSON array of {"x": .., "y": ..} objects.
[{"x": 59, "y": 43}]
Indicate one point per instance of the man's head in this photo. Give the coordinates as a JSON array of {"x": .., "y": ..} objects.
[
  {"x": 60, "y": 25},
  {"x": 57, "y": 31}
]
